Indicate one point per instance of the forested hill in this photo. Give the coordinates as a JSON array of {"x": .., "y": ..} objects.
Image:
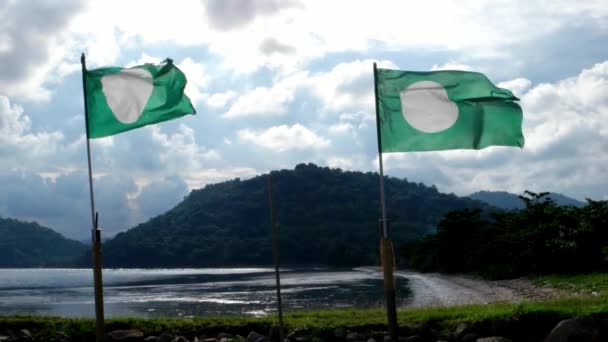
[
  {"x": 27, "y": 244},
  {"x": 509, "y": 201},
  {"x": 325, "y": 216}
]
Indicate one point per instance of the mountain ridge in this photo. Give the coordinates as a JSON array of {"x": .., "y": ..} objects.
[
  {"x": 325, "y": 216},
  {"x": 28, "y": 244},
  {"x": 508, "y": 201}
]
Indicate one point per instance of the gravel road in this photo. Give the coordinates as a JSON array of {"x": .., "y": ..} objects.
[{"x": 435, "y": 289}]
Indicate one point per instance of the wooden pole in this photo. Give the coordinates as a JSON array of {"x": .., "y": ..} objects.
[
  {"x": 386, "y": 245},
  {"x": 275, "y": 256},
  {"x": 95, "y": 231}
]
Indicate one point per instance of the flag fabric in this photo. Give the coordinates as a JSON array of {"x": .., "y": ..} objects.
[
  {"x": 120, "y": 99},
  {"x": 444, "y": 110}
]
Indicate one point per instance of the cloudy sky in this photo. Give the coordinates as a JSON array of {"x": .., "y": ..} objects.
[{"x": 281, "y": 82}]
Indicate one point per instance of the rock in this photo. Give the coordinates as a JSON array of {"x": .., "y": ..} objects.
[
  {"x": 125, "y": 335},
  {"x": 461, "y": 330},
  {"x": 501, "y": 327},
  {"x": 60, "y": 336},
  {"x": 211, "y": 339},
  {"x": 274, "y": 333},
  {"x": 413, "y": 338},
  {"x": 224, "y": 335},
  {"x": 493, "y": 339},
  {"x": 576, "y": 329},
  {"x": 469, "y": 337},
  {"x": 151, "y": 339},
  {"x": 388, "y": 339},
  {"x": 25, "y": 335},
  {"x": 179, "y": 339},
  {"x": 165, "y": 337},
  {"x": 339, "y": 333},
  {"x": 434, "y": 335},
  {"x": 371, "y": 339},
  {"x": 4, "y": 338},
  {"x": 255, "y": 337},
  {"x": 295, "y": 334},
  {"x": 355, "y": 336}
]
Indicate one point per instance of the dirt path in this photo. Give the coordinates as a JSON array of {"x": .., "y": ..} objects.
[{"x": 434, "y": 289}]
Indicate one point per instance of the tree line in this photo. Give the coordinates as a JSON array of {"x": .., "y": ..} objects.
[{"x": 541, "y": 238}]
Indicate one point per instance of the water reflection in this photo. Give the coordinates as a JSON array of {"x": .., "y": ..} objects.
[{"x": 189, "y": 292}]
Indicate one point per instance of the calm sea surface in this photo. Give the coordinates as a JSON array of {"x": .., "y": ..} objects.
[{"x": 188, "y": 292}]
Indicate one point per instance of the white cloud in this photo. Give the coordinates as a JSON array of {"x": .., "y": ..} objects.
[
  {"x": 149, "y": 21},
  {"x": 575, "y": 104},
  {"x": 267, "y": 101},
  {"x": 231, "y": 14},
  {"x": 518, "y": 86},
  {"x": 348, "y": 85},
  {"x": 284, "y": 138},
  {"x": 35, "y": 42},
  {"x": 151, "y": 155},
  {"x": 360, "y": 120},
  {"x": 202, "y": 177},
  {"x": 262, "y": 101},
  {"x": 220, "y": 100},
  {"x": 483, "y": 30},
  {"x": 340, "y": 162},
  {"x": 211, "y": 155},
  {"x": 452, "y": 66},
  {"x": 143, "y": 59},
  {"x": 103, "y": 143},
  {"x": 21, "y": 148},
  {"x": 198, "y": 79},
  {"x": 301, "y": 31},
  {"x": 341, "y": 128},
  {"x": 179, "y": 152}
]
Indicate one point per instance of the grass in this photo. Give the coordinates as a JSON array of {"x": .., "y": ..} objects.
[
  {"x": 317, "y": 323},
  {"x": 577, "y": 284}
]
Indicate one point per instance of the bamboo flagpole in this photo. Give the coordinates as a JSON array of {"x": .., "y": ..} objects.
[
  {"x": 386, "y": 245},
  {"x": 275, "y": 255},
  {"x": 95, "y": 231}
]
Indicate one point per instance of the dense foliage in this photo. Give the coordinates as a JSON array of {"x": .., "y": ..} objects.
[
  {"x": 509, "y": 201},
  {"x": 25, "y": 244},
  {"x": 325, "y": 216},
  {"x": 539, "y": 239}
]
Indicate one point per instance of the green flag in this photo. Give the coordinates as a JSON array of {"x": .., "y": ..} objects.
[
  {"x": 445, "y": 110},
  {"x": 121, "y": 99}
]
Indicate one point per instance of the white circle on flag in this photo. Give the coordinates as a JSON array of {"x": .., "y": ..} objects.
[
  {"x": 127, "y": 92},
  {"x": 426, "y": 107}
]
